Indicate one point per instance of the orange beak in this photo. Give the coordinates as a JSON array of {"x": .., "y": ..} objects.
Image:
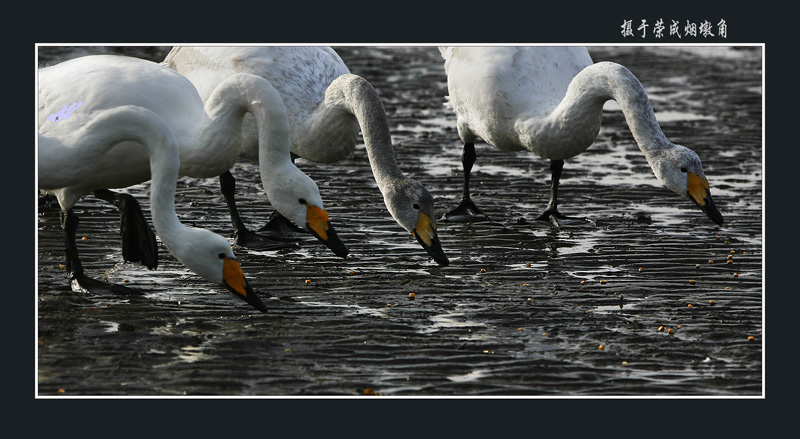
[
  {"x": 426, "y": 235},
  {"x": 319, "y": 225},
  {"x": 234, "y": 281},
  {"x": 699, "y": 192}
]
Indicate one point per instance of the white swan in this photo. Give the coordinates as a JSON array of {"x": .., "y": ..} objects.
[
  {"x": 75, "y": 156},
  {"x": 208, "y": 135},
  {"x": 549, "y": 100},
  {"x": 326, "y": 106}
]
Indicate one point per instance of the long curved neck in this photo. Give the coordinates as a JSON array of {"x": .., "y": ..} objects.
[
  {"x": 164, "y": 168},
  {"x": 245, "y": 93},
  {"x": 218, "y": 144},
  {"x": 357, "y": 96},
  {"x": 140, "y": 125},
  {"x": 580, "y": 111}
]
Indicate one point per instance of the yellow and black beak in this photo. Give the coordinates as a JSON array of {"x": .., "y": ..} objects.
[
  {"x": 426, "y": 235},
  {"x": 234, "y": 281},
  {"x": 318, "y": 224},
  {"x": 700, "y": 194}
]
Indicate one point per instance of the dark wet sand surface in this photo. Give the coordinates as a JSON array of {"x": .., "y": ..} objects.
[{"x": 509, "y": 316}]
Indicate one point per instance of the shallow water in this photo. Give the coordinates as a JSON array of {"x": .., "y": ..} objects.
[{"x": 487, "y": 325}]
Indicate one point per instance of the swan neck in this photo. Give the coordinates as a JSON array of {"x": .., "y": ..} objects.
[
  {"x": 164, "y": 169},
  {"x": 602, "y": 81},
  {"x": 357, "y": 96},
  {"x": 246, "y": 93}
]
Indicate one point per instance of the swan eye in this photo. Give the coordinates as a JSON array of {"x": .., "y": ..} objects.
[
  {"x": 416, "y": 206},
  {"x": 302, "y": 201},
  {"x": 684, "y": 170},
  {"x": 221, "y": 255}
]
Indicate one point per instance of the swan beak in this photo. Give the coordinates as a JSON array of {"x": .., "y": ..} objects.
[
  {"x": 318, "y": 224},
  {"x": 234, "y": 281},
  {"x": 426, "y": 235},
  {"x": 700, "y": 194}
]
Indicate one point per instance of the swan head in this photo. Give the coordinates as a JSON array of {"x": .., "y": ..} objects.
[
  {"x": 411, "y": 205},
  {"x": 295, "y": 195},
  {"x": 680, "y": 170},
  {"x": 211, "y": 257}
]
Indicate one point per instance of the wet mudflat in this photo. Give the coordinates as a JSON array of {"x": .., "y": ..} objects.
[{"x": 638, "y": 301}]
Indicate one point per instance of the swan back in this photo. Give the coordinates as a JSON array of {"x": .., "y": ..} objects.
[
  {"x": 101, "y": 82},
  {"x": 491, "y": 88},
  {"x": 301, "y": 75}
]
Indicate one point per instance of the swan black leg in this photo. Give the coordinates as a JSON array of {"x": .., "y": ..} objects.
[
  {"x": 551, "y": 213},
  {"x": 138, "y": 239},
  {"x": 280, "y": 226},
  {"x": 79, "y": 282},
  {"x": 466, "y": 211},
  {"x": 556, "y": 166},
  {"x": 242, "y": 236}
]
